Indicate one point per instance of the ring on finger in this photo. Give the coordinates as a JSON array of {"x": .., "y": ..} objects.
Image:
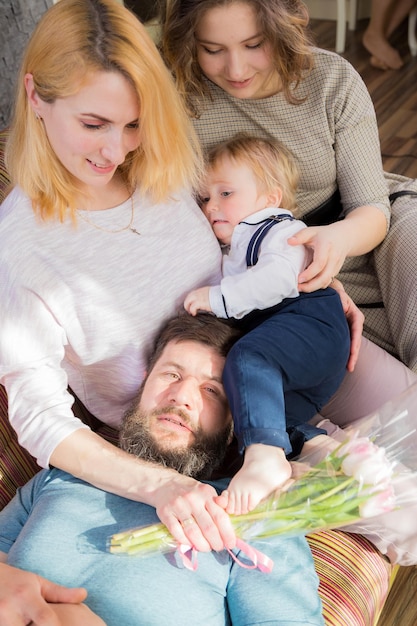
[{"x": 187, "y": 522}]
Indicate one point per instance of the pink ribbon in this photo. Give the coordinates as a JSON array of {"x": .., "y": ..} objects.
[
  {"x": 259, "y": 559},
  {"x": 188, "y": 556}
]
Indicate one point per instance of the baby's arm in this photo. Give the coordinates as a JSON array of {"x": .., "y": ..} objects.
[
  {"x": 265, "y": 469},
  {"x": 198, "y": 300}
]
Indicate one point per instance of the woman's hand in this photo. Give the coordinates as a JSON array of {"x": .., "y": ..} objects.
[
  {"x": 24, "y": 598},
  {"x": 358, "y": 233},
  {"x": 188, "y": 509},
  {"x": 330, "y": 248},
  {"x": 355, "y": 319},
  {"x": 330, "y": 251}
]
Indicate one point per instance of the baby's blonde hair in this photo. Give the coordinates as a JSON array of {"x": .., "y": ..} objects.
[{"x": 272, "y": 164}]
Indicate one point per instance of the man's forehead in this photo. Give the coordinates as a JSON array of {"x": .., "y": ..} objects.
[
  {"x": 190, "y": 352},
  {"x": 188, "y": 346}
]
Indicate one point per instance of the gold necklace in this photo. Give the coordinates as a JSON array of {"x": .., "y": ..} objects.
[{"x": 117, "y": 230}]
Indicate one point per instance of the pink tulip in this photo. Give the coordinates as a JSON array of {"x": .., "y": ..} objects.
[
  {"x": 382, "y": 502},
  {"x": 365, "y": 461}
]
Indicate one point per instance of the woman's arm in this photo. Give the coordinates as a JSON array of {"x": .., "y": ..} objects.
[
  {"x": 175, "y": 497},
  {"x": 349, "y": 154}
]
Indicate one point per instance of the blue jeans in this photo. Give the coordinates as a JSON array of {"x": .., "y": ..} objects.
[{"x": 289, "y": 364}]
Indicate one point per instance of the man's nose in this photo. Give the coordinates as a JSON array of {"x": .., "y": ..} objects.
[{"x": 186, "y": 393}]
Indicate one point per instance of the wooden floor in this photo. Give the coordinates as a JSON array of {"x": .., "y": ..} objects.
[
  {"x": 394, "y": 94},
  {"x": 401, "y": 606}
]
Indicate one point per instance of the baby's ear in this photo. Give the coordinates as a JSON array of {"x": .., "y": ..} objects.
[{"x": 274, "y": 198}]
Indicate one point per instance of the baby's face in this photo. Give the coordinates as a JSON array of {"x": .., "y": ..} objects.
[{"x": 229, "y": 195}]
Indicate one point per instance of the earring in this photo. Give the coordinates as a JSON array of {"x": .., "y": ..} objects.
[{"x": 38, "y": 117}]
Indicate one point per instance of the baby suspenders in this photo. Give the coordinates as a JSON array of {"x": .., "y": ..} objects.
[{"x": 252, "y": 253}]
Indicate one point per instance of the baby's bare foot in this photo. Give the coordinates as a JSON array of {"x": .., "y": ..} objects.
[{"x": 264, "y": 470}]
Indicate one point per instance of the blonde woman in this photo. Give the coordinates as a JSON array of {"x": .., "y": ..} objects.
[{"x": 100, "y": 241}]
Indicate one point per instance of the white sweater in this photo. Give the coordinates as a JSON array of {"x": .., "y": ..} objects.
[{"x": 80, "y": 306}]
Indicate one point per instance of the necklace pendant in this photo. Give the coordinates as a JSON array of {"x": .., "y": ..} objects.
[{"x": 134, "y": 230}]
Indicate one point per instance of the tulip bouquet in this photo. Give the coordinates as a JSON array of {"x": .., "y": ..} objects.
[{"x": 372, "y": 471}]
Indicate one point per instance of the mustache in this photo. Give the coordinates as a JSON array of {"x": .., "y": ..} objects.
[{"x": 173, "y": 410}]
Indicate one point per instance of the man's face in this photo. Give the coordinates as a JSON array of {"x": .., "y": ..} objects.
[{"x": 182, "y": 417}]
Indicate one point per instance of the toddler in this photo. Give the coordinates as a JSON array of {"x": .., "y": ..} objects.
[{"x": 295, "y": 346}]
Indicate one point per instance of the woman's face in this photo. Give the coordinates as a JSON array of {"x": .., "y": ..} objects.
[
  {"x": 92, "y": 131},
  {"x": 233, "y": 53}
]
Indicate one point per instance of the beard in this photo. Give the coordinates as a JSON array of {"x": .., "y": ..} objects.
[{"x": 197, "y": 460}]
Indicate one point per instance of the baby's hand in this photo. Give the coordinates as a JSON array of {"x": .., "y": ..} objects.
[{"x": 198, "y": 300}]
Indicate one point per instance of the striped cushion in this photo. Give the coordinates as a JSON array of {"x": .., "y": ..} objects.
[
  {"x": 16, "y": 465},
  {"x": 4, "y": 179},
  {"x": 354, "y": 578}
]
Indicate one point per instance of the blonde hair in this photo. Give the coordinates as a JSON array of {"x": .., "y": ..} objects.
[
  {"x": 283, "y": 24},
  {"x": 272, "y": 164},
  {"x": 73, "y": 39}
]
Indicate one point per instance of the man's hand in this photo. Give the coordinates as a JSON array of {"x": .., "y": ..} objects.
[
  {"x": 188, "y": 508},
  {"x": 24, "y": 598},
  {"x": 198, "y": 300}
]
